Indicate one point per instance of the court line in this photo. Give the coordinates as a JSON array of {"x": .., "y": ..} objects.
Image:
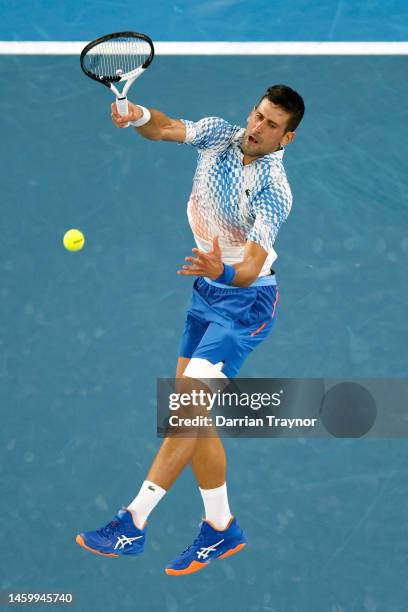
[{"x": 218, "y": 48}]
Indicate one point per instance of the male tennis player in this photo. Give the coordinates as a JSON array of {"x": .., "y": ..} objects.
[{"x": 240, "y": 198}]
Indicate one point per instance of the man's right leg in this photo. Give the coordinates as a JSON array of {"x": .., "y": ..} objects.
[
  {"x": 207, "y": 457},
  {"x": 125, "y": 533}
]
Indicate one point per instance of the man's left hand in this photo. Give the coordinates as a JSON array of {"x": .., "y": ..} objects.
[{"x": 204, "y": 264}]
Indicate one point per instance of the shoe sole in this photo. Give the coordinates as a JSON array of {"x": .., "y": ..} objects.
[
  {"x": 79, "y": 540},
  {"x": 195, "y": 566}
]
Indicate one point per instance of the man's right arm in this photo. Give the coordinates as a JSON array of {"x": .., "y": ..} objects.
[{"x": 159, "y": 127}]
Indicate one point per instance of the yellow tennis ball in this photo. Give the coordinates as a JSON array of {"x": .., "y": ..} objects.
[{"x": 74, "y": 240}]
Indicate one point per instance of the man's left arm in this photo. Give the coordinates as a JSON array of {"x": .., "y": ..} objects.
[{"x": 247, "y": 270}]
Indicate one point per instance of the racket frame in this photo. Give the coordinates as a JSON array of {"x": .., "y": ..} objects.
[{"x": 128, "y": 77}]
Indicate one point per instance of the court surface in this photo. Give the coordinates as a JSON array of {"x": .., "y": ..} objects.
[{"x": 84, "y": 336}]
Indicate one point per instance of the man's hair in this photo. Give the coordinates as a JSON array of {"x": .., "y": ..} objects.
[{"x": 288, "y": 99}]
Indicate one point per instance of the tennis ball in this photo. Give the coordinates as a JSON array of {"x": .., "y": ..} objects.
[{"x": 74, "y": 240}]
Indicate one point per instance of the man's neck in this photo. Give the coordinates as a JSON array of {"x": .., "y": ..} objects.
[{"x": 248, "y": 159}]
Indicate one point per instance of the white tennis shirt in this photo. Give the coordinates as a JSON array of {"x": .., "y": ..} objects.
[{"x": 233, "y": 201}]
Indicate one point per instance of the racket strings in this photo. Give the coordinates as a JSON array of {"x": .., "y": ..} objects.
[{"x": 117, "y": 58}]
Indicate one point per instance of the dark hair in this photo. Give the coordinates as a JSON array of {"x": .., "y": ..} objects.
[{"x": 288, "y": 99}]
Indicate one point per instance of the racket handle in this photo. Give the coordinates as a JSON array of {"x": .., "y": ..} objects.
[{"x": 122, "y": 106}]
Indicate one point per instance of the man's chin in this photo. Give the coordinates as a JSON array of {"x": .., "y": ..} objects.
[{"x": 251, "y": 151}]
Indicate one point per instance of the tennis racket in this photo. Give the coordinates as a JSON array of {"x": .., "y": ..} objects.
[{"x": 118, "y": 58}]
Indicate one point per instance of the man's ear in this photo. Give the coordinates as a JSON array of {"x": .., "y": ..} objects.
[
  {"x": 252, "y": 111},
  {"x": 287, "y": 138}
]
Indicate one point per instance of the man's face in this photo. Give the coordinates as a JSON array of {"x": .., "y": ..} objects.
[{"x": 266, "y": 130}]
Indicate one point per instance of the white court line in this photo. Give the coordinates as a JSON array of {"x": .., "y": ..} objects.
[{"x": 219, "y": 48}]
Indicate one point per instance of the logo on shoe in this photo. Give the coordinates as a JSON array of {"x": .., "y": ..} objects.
[
  {"x": 123, "y": 540},
  {"x": 203, "y": 553}
]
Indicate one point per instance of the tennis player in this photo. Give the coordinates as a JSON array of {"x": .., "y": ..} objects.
[{"x": 240, "y": 198}]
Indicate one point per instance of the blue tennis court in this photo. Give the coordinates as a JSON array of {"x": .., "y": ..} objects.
[{"x": 84, "y": 336}]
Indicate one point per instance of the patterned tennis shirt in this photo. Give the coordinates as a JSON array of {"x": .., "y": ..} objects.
[{"x": 237, "y": 202}]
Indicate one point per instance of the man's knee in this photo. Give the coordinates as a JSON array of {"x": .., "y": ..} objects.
[
  {"x": 210, "y": 374},
  {"x": 203, "y": 368}
]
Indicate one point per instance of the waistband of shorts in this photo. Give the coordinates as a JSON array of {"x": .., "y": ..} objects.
[{"x": 261, "y": 281}]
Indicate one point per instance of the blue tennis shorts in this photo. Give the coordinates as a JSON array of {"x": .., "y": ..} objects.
[{"x": 226, "y": 323}]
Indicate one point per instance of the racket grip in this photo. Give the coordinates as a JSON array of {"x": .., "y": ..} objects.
[{"x": 122, "y": 107}]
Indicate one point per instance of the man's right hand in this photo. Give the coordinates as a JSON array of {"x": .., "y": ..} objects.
[
  {"x": 160, "y": 127},
  {"x": 133, "y": 115}
]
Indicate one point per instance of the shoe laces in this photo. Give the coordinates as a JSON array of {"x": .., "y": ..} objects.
[
  {"x": 109, "y": 529},
  {"x": 199, "y": 540}
]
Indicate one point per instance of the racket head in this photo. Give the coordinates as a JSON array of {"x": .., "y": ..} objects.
[{"x": 117, "y": 57}]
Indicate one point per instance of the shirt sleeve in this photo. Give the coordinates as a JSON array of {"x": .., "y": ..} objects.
[
  {"x": 209, "y": 133},
  {"x": 270, "y": 209}
]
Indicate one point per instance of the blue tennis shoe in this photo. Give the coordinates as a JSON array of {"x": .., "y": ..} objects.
[
  {"x": 209, "y": 545},
  {"x": 119, "y": 537}
]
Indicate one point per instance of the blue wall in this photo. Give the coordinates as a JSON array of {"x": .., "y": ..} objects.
[{"x": 206, "y": 20}]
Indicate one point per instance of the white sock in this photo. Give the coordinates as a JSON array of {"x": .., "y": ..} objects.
[
  {"x": 145, "y": 501},
  {"x": 216, "y": 506}
]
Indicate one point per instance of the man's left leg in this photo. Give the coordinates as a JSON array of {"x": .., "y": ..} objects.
[
  {"x": 220, "y": 535},
  {"x": 220, "y": 353}
]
